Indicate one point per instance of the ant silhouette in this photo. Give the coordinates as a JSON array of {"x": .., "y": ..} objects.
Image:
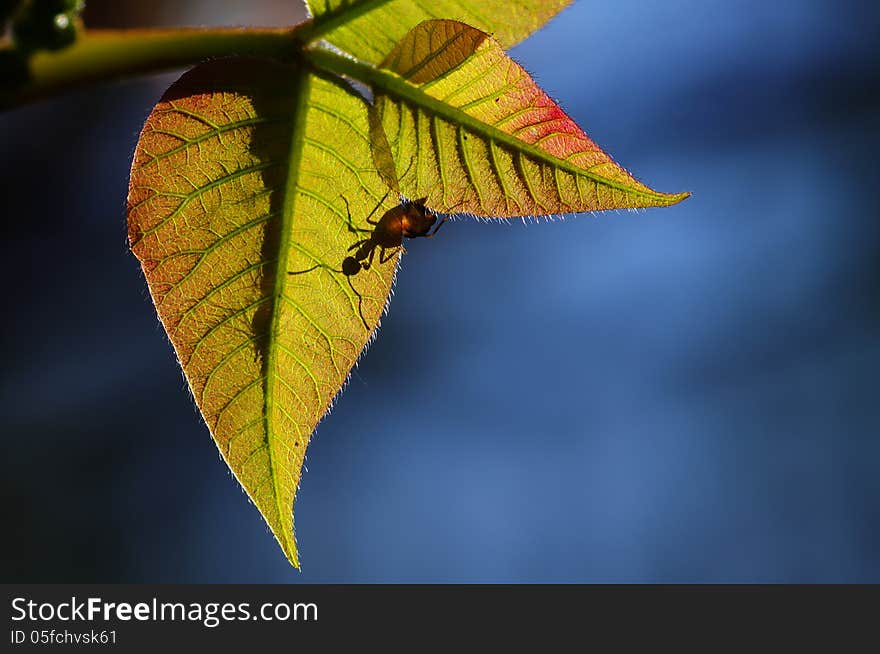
[{"x": 409, "y": 219}]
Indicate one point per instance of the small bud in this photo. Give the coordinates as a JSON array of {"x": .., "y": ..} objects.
[
  {"x": 45, "y": 24},
  {"x": 62, "y": 22}
]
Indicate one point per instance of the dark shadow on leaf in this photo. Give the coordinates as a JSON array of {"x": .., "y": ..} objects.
[{"x": 271, "y": 88}]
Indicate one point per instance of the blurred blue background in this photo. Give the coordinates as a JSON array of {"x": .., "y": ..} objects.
[{"x": 685, "y": 394}]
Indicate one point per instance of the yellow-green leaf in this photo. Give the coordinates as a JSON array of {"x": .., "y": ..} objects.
[
  {"x": 470, "y": 130},
  {"x": 237, "y": 212},
  {"x": 369, "y": 29}
]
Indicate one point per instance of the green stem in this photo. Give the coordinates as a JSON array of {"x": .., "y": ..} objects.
[{"x": 100, "y": 55}]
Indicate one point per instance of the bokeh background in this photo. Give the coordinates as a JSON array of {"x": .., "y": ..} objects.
[{"x": 678, "y": 395}]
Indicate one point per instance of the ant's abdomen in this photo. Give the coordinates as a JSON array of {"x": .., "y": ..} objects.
[
  {"x": 350, "y": 266},
  {"x": 389, "y": 231}
]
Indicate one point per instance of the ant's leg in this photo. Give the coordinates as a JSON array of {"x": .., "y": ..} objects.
[
  {"x": 351, "y": 227},
  {"x": 369, "y": 262},
  {"x": 383, "y": 258},
  {"x": 358, "y": 244},
  {"x": 437, "y": 228},
  {"x": 381, "y": 202},
  {"x": 315, "y": 267}
]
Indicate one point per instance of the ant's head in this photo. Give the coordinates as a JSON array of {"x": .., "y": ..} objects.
[{"x": 417, "y": 219}]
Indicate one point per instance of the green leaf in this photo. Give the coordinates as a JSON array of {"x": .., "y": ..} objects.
[
  {"x": 369, "y": 29},
  {"x": 263, "y": 207},
  {"x": 471, "y": 131},
  {"x": 237, "y": 212}
]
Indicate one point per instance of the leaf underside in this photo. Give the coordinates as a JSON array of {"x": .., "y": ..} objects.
[
  {"x": 241, "y": 176},
  {"x": 369, "y": 29},
  {"x": 253, "y": 184},
  {"x": 470, "y": 130}
]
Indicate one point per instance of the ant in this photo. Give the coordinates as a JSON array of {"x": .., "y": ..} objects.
[{"x": 410, "y": 219}]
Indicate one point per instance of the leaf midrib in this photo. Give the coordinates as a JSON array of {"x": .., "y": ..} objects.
[
  {"x": 273, "y": 346},
  {"x": 393, "y": 84}
]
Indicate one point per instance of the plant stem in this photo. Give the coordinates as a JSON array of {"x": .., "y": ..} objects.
[{"x": 100, "y": 55}]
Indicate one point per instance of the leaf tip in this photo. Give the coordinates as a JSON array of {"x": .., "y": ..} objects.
[
  {"x": 660, "y": 199},
  {"x": 675, "y": 198},
  {"x": 287, "y": 541}
]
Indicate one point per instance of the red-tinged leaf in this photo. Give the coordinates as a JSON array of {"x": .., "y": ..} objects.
[{"x": 470, "y": 130}]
